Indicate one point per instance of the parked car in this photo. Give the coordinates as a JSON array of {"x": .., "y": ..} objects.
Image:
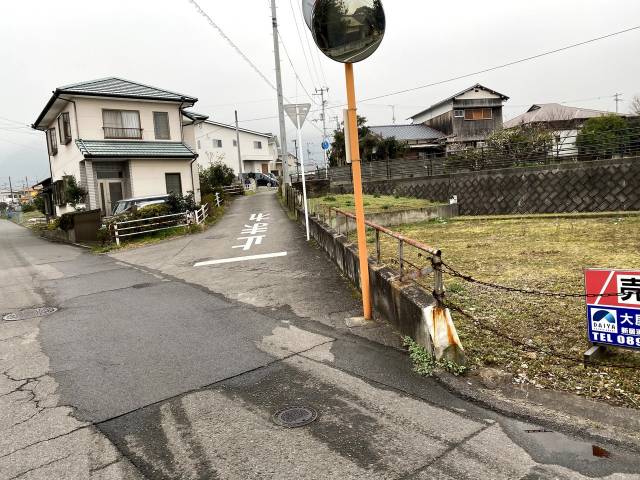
[
  {"x": 262, "y": 180},
  {"x": 127, "y": 204}
]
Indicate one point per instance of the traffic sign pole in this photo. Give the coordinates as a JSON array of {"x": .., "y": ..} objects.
[
  {"x": 363, "y": 253},
  {"x": 304, "y": 178}
]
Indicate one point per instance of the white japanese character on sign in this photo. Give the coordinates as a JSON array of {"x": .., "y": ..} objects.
[
  {"x": 255, "y": 228},
  {"x": 258, "y": 217},
  {"x": 627, "y": 319},
  {"x": 250, "y": 241},
  {"x": 638, "y": 320}
]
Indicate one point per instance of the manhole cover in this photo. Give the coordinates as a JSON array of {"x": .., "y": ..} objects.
[
  {"x": 29, "y": 313},
  {"x": 293, "y": 417}
]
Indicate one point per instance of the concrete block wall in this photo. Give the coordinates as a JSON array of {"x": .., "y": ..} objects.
[{"x": 605, "y": 185}]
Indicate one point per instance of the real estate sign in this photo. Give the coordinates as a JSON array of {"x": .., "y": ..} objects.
[{"x": 613, "y": 307}]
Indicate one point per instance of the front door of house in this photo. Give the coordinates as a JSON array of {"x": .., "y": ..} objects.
[
  {"x": 110, "y": 191},
  {"x": 265, "y": 168}
]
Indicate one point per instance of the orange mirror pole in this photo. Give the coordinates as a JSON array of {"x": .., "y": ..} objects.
[{"x": 363, "y": 254}]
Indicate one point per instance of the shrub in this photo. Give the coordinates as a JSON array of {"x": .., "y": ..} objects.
[
  {"x": 54, "y": 224},
  {"x": 151, "y": 211},
  {"x": 329, "y": 199},
  {"x": 178, "y": 204},
  {"x": 603, "y": 137},
  {"x": 73, "y": 193},
  {"x": 216, "y": 175},
  {"x": 28, "y": 207},
  {"x": 66, "y": 222},
  {"x": 104, "y": 235}
]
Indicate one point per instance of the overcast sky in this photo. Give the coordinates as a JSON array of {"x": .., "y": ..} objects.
[{"x": 166, "y": 43}]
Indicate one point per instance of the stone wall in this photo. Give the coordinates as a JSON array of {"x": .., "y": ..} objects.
[{"x": 607, "y": 185}]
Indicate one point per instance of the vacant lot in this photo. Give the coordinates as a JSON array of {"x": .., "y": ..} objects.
[
  {"x": 540, "y": 253},
  {"x": 372, "y": 204}
]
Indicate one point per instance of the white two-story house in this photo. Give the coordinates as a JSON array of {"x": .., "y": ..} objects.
[
  {"x": 119, "y": 139},
  {"x": 215, "y": 141}
]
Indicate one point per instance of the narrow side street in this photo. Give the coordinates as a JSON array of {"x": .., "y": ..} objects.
[{"x": 156, "y": 368}]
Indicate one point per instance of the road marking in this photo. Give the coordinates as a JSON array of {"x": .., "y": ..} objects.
[{"x": 241, "y": 259}]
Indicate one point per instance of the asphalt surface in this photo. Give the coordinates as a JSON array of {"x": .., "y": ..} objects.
[{"x": 183, "y": 366}]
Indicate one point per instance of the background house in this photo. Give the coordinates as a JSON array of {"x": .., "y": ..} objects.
[
  {"x": 565, "y": 122},
  {"x": 215, "y": 141},
  {"x": 466, "y": 118},
  {"x": 119, "y": 139},
  {"x": 422, "y": 141}
]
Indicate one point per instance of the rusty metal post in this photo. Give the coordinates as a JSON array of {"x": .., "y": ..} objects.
[
  {"x": 378, "y": 246},
  {"x": 401, "y": 257},
  {"x": 438, "y": 292}
]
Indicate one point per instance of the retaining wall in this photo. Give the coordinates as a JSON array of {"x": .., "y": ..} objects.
[
  {"x": 599, "y": 186},
  {"x": 400, "y": 305}
]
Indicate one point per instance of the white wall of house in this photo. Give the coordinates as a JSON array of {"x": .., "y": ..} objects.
[
  {"x": 204, "y": 136},
  {"x": 148, "y": 176},
  {"x": 91, "y": 123}
]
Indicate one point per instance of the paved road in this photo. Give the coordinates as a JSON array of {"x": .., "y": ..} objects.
[{"x": 182, "y": 367}]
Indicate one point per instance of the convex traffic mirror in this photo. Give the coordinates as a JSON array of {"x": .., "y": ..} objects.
[{"x": 348, "y": 31}]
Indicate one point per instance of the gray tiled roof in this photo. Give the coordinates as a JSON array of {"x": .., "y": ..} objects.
[
  {"x": 408, "y": 132},
  {"x": 128, "y": 149},
  {"x": 554, "y": 112},
  {"x": 119, "y": 87}
]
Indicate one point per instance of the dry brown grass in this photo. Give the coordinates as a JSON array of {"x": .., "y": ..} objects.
[{"x": 541, "y": 254}]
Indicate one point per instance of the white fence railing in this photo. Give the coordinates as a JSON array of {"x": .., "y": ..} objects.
[{"x": 131, "y": 228}]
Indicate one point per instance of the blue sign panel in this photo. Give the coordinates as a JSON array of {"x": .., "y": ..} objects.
[
  {"x": 615, "y": 326},
  {"x": 325, "y": 145}
]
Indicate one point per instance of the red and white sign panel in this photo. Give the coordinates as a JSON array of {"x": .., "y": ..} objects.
[{"x": 613, "y": 307}]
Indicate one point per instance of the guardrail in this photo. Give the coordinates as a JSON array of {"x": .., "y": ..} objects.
[{"x": 407, "y": 269}]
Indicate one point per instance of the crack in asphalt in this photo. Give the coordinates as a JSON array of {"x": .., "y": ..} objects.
[
  {"x": 40, "y": 466},
  {"x": 46, "y": 440},
  {"x": 208, "y": 386},
  {"x": 446, "y": 452}
]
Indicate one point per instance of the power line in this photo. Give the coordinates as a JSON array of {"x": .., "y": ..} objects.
[
  {"x": 305, "y": 34},
  {"x": 509, "y": 64},
  {"x": 286, "y": 51},
  {"x": 453, "y": 79},
  {"x": 233, "y": 45},
  {"x": 304, "y": 53}
]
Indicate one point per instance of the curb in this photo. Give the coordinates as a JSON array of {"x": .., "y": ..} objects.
[{"x": 508, "y": 404}]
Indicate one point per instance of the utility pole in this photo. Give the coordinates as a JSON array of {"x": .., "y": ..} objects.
[
  {"x": 393, "y": 111},
  {"x": 10, "y": 190},
  {"x": 320, "y": 92},
  {"x": 283, "y": 129},
  {"x": 618, "y": 98},
  {"x": 240, "y": 169}
]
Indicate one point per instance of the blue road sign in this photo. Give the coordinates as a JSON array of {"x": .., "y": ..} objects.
[{"x": 325, "y": 145}]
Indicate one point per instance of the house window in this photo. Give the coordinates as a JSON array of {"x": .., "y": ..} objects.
[
  {"x": 161, "y": 125},
  {"x": 257, "y": 145},
  {"x": 121, "y": 124},
  {"x": 64, "y": 128},
  {"x": 475, "y": 114},
  {"x": 235, "y": 143},
  {"x": 217, "y": 143},
  {"x": 52, "y": 142},
  {"x": 458, "y": 113},
  {"x": 174, "y": 184}
]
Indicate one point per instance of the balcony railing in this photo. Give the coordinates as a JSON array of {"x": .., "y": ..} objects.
[{"x": 130, "y": 133}]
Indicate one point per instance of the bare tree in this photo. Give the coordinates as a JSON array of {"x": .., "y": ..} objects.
[{"x": 635, "y": 105}]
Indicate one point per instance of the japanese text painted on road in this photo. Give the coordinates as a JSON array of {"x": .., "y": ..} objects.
[
  {"x": 613, "y": 307},
  {"x": 254, "y": 234}
]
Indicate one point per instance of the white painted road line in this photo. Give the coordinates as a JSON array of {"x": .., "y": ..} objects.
[{"x": 240, "y": 259}]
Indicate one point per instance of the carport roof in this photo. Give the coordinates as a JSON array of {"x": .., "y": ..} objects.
[{"x": 128, "y": 149}]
